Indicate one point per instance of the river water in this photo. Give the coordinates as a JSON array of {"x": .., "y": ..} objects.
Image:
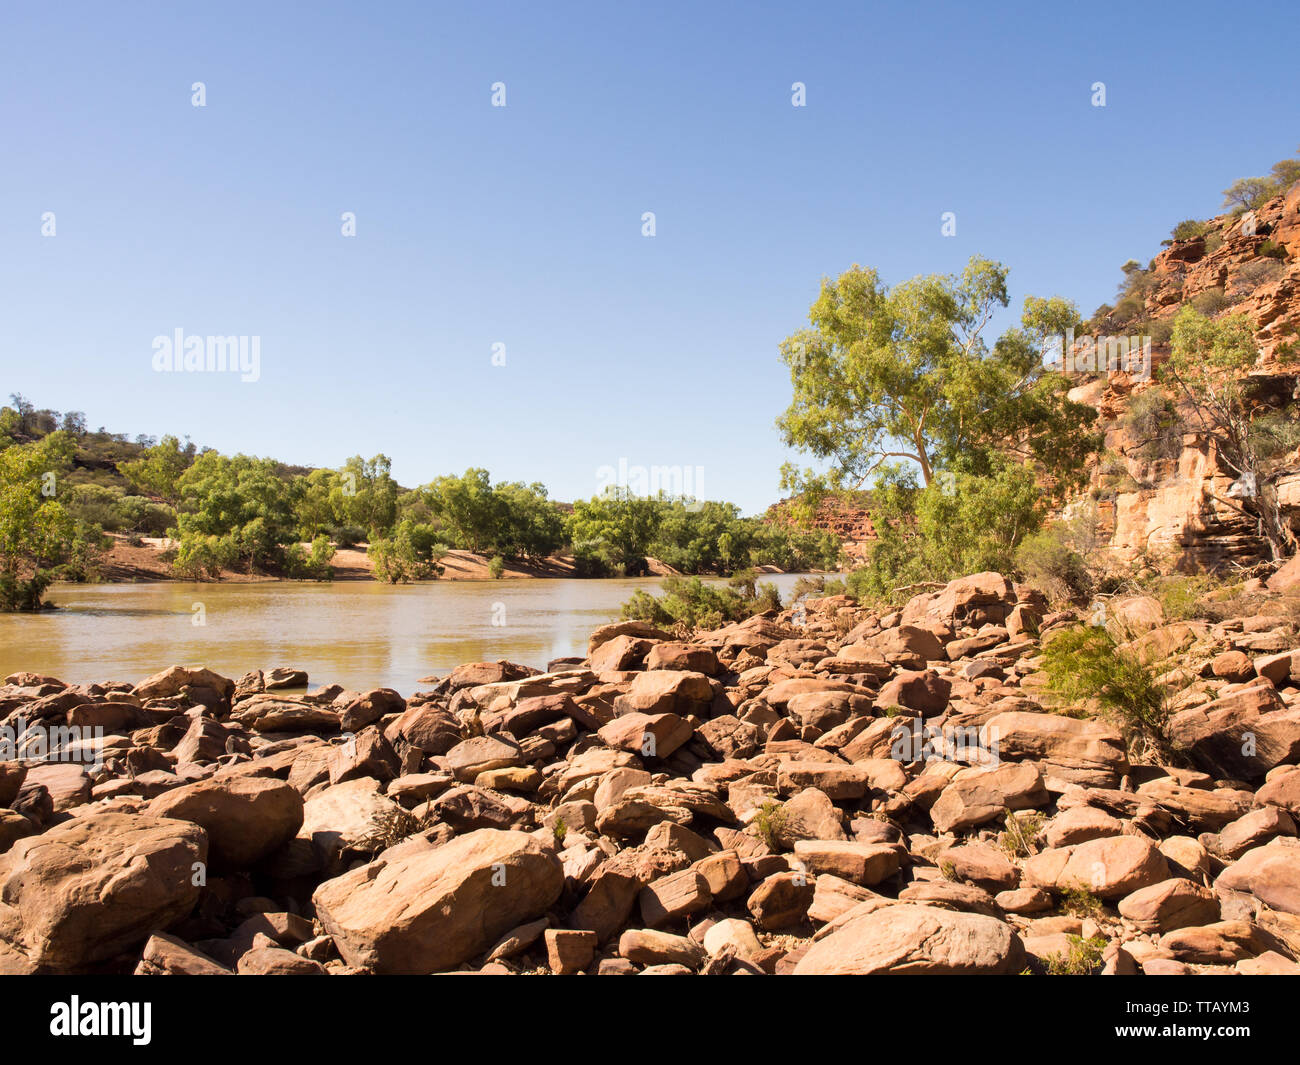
[{"x": 362, "y": 635}]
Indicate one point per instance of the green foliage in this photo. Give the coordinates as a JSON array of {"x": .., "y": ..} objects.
[
  {"x": 1083, "y": 957},
  {"x": 559, "y": 830},
  {"x": 1249, "y": 194},
  {"x": 1160, "y": 331},
  {"x": 1153, "y": 421},
  {"x": 1019, "y": 836},
  {"x": 691, "y": 603},
  {"x": 158, "y": 470},
  {"x": 1211, "y": 301},
  {"x": 1086, "y": 666},
  {"x": 412, "y": 553},
  {"x": 511, "y": 519},
  {"x": 235, "y": 512},
  {"x": 770, "y": 823},
  {"x": 37, "y": 534},
  {"x": 617, "y": 525},
  {"x": 1271, "y": 250},
  {"x": 1047, "y": 560},
  {"x": 496, "y": 567},
  {"x": 960, "y": 524},
  {"x": 1188, "y": 229},
  {"x": 1209, "y": 368},
  {"x": 905, "y": 372},
  {"x": 310, "y": 565},
  {"x": 1080, "y": 902},
  {"x": 347, "y": 535},
  {"x": 1180, "y": 595},
  {"x": 1275, "y": 433},
  {"x": 114, "y": 511},
  {"x": 1286, "y": 172}
]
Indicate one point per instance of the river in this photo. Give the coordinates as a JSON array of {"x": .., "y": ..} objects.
[{"x": 362, "y": 635}]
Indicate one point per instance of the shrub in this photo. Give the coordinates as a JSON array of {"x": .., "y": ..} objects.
[
  {"x": 1213, "y": 242},
  {"x": 1048, "y": 562},
  {"x": 412, "y": 553},
  {"x": 1152, "y": 419},
  {"x": 1189, "y": 228},
  {"x": 1179, "y": 595},
  {"x": 1086, "y": 665},
  {"x": 1080, "y": 902},
  {"x": 496, "y": 567},
  {"x": 1113, "y": 474},
  {"x": 1127, "y": 310},
  {"x": 770, "y": 822},
  {"x": 958, "y": 524},
  {"x": 597, "y": 558},
  {"x": 347, "y": 535},
  {"x": 1020, "y": 835},
  {"x": 391, "y": 827},
  {"x": 142, "y": 515},
  {"x": 199, "y": 556},
  {"x": 1256, "y": 273},
  {"x": 693, "y": 604},
  {"x": 1160, "y": 330},
  {"x": 1083, "y": 957},
  {"x": 1210, "y": 302},
  {"x": 1271, "y": 250},
  {"x": 315, "y": 566},
  {"x": 1274, "y": 433}
]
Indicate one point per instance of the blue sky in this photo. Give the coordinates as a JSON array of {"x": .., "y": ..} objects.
[{"x": 522, "y": 225}]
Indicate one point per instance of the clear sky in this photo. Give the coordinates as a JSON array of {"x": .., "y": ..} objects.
[{"x": 479, "y": 225}]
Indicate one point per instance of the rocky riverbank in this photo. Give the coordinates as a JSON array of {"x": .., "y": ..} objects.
[{"x": 830, "y": 792}]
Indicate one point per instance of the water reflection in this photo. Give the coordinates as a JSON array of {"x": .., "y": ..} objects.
[{"x": 360, "y": 634}]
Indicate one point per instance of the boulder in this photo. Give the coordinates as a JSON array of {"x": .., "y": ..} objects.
[
  {"x": 910, "y": 939},
  {"x": 246, "y": 818},
  {"x": 1109, "y": 868},
  {"x": 1271, "y": 873},
  {"x": 431, "y": 909},
  {"x": 976, "y": 796},
  {"x": 924, "y": 691},
  {"x": 94, "y": 886},
  {"x": 1170, "y": 904}
]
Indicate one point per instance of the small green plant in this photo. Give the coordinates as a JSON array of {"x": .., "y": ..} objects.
[
  {"x": 770, "y": 823},
  {"x": 1050, "y": 563},
  {"x": 1153, "y": 422},
  {"x": 559, "y": 830},
  {"x": 1086, "y": 665},
  {"x": 1180, "y": 596},
  {"x": 1271, "y": 250},
  {"x": 948, "y": 870},
  {"x": 1211, "y": 301},
  {"x": 1188, "y": 229},
  {"x": 496, "y": 567},
  {"x": 1020, "y": 835},
  {"x": 1083, "y": 957},
  {"x": 1080, "y": 902}
]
